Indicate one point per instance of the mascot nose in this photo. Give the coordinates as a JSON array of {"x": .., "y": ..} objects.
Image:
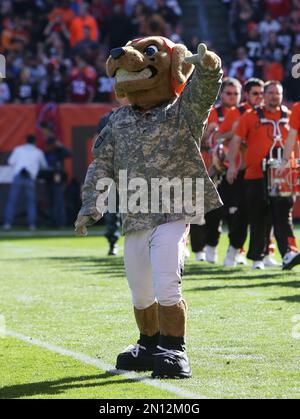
[{"x": 117, "y": 53}]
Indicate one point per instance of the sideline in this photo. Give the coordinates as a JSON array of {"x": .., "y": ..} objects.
[{"x": 98, "y": 363}]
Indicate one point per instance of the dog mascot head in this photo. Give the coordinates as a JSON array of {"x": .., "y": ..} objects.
[{"x": 149, "y": 71}]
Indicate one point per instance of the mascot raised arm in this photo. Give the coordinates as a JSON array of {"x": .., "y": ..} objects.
[{"x": 156, "y": 137}]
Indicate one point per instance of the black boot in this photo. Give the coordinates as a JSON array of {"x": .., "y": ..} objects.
[
  {"x": 171, "y": 360},
  {"x": 139, "y": 357},
  {"x": 290, "y": 260},
  {"x": 113, "y": 250}
]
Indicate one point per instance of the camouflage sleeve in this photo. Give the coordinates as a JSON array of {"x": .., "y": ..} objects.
[
  {"x": 199, "y": 96},
  {"x": 101, "y": 167}
]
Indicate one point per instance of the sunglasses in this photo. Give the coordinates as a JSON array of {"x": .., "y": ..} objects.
[
  {"x": 257, "y": 94},
  {"x": 231, "y": 94}
]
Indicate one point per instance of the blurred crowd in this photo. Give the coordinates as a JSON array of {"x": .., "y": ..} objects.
[
  {"x": 264, "y": 36},
  {"x": 56, "y": 50}
]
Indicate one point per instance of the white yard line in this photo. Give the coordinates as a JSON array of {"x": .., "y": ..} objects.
[{"x": 85, "y": 359}]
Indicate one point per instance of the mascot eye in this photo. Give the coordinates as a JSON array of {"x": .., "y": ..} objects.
[{"x": 151, "y": 50}]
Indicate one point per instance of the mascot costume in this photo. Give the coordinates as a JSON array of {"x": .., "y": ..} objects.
[{"x": 157, "y": 136}]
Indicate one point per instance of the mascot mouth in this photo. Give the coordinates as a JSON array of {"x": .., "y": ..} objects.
[{"x": 123, "y": 75}]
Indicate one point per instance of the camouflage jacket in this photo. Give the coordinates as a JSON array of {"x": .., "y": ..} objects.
[{"x": 163, "y": 142}]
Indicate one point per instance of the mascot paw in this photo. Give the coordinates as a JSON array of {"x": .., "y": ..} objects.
[
  {"x": 208, "y": 59},
  {"x": 81, "y": 224}
]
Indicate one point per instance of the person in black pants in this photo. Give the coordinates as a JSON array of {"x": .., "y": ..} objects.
[{"x": 264, "y": 130}]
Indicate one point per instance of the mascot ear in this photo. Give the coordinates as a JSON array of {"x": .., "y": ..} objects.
[{"x": 180, "y": 70}]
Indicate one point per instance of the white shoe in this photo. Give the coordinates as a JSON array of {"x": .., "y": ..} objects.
[
  {"x": 230, "y": 259},
  {"x": 270, "y": 261},
  {"x": 290, "y": 260},
  {"x": 7, "y": 227},
  {"x": 241, "y": 259},
  {"x": 211, "y": 254},
  {"x": 200, "y": 256},
  {"x": 258, "y": 264}
]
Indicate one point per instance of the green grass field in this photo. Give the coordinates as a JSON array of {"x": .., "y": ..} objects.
[{"x": 64, "y": 291}]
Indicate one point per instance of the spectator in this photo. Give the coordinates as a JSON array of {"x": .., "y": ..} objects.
[
  {"x": 37, "y": 73},
  {"x": 61, "y": 16},
  {"x": 55, "y": 85},
  {"x": 100, "y": 9},
  {"x": 258, "y": 7},
  {"x": 55, "y": 35},
  {"x": 82, "y": 82},
  {"x": 56, "y": 178},
  {"x": 78, "y": 24},
  {"x": 116, "y": 20},
  {"x": 87, "y": 48},
  {"x": 175, "y": 35},
  {"x": 174, "y": 5},
  {"x": 273, "y": 57},
  {"x": 269, "y": 24},
  {"x": 273, "y": 50},
  {"x": 104, "y": 84},
  {"x": 285, "y": 36},
  {"x": 155, "y": 26},
  {"x": 273, "y": 70},
  {"x": 140, "y": 18},
  {"x": 253, "y": 44},
  {"x": 296, "y": 4},
  {"x": 295, "y": 21},
  {"x": 58, "y": 26},
  {"x": 278, "y": 8},
  {"x": 167, "y": 13},
  {"x": 6, "y": 8},
  {"x": 240, "y": 15},
  {"x": 192, "y": 43},
  {"x": 14, "y": 36},
  {"x": 4, "y": 92},
  {"x": 130, "y": 5},
  {"x": 55, "y": 47},
  {"x": 243, "y": 68},
  {"x": 26, "y": 89},
  {"x": 41, "y": 39},
  {"x": 26, "y": 161}
]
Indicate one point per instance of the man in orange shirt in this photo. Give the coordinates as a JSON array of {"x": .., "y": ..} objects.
[
  {"x": 207, "y": 236},
  {"x": 253, "y": 93},
  {"x": 293, "y": 133},
  {"x": 230, "y": 96},
  {"x": 256, "y": 129},
  {"x": 79, "y": 23}
]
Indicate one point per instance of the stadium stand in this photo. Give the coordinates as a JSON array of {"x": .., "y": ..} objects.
[{"x": 56, "y": 50}]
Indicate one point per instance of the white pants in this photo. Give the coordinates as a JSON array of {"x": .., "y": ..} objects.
[{"x": 154, "y": 261}]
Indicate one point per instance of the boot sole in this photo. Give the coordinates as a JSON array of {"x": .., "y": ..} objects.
[
  {"x": 137, "y": 368},
  {"x": 141, "y": 369},
  {"x": 294, "y": 262},
  {"x": 166, "y": 376}
]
